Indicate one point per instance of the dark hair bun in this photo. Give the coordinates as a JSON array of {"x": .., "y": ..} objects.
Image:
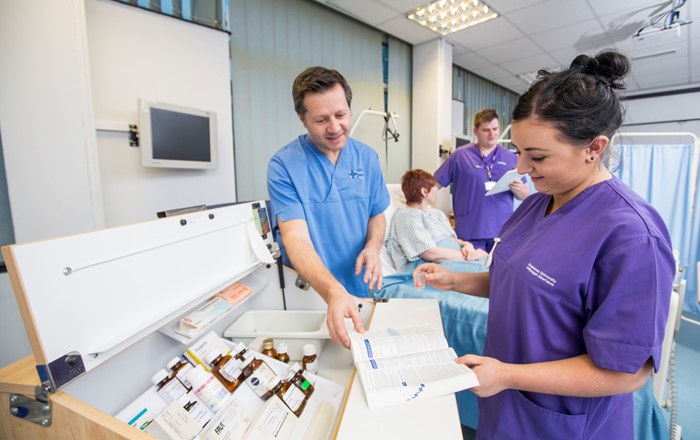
[{"x": 608, "y": 66}]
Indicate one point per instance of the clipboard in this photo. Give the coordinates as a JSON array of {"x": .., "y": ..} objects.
[{"x": 504, "y": 181}]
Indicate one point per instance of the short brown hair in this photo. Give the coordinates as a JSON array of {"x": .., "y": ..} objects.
[
  {"x": 413, "y": 181},
  {"x": 484, "y": 117},
  {"x": 317, "y": 79}
]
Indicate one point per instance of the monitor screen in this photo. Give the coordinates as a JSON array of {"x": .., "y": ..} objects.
[
  {"x": 177, "y": 137},
  {"x": 459, "y": 140}
]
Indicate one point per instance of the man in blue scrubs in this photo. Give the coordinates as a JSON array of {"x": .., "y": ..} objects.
[{"x": 328, "y": 196}]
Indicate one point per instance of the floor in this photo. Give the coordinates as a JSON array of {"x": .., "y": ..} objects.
[{"x": 687, "y": 376}]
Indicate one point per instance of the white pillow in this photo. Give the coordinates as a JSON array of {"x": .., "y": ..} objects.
[{"x": 397, "y": 200}]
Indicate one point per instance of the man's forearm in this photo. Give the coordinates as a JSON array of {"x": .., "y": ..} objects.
[
  {"x": 309, "y": 265},
  {"x": 376, "y": 229}
]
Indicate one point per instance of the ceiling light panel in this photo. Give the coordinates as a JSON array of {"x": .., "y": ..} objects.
[{"x": 447, "y": 16}]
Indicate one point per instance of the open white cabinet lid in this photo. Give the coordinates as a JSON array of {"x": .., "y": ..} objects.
[{"x": 86, "y": 297}]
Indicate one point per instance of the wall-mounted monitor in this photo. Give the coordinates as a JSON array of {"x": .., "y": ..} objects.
[
  {"x": 173, "y": 136},
  {"x": 459, "y": 140}
]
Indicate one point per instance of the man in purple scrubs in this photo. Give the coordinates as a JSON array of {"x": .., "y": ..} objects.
[
  {"x": 473, "y": 170},
  {"x": 580, "y": 283}
]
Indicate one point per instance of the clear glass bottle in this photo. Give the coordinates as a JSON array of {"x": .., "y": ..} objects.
[
  {"x": 168, "y": 387},
  {"x": 310, "y": 360},
  {"x": 295, "y": 390},
  {"x": 225, "y": 368},
  {"x": 209, "y": 390},
  {"x": 269, "y": 348},
  {"x": 257, "y": 374},
  {"x": 282, "y": 355},
  {"x": 179, "y": 368}
]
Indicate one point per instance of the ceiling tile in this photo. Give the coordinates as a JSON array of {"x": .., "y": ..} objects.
[
  {"x": 407, "y": 30},
  {"x": 559, "y": 13},
  {"x": 644, "y": 7},
  {"x": 486, "y": 34},
  {"x": 508, "y": 6},
  {"x": 588, "y": 33},
  {"x": 512, "y": 50},
  {"x": 491, "y": 72},
  {"x": 470, "y": 61},
  {"x": 530, "y": 64},
  {"x": 531, "y": 34},
  {"x": 370, "y": 12}
]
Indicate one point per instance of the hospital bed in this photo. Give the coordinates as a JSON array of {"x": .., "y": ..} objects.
[{"x": 464, "y": 320}]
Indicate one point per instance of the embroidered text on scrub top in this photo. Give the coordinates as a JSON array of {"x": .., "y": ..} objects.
[{"x": 541, "y": 275}]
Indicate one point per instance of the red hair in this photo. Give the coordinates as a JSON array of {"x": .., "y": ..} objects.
[{"x": 413, "y": 181}]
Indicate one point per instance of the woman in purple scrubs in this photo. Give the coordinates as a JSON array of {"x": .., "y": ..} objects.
[{"x": 580, "y": 283}]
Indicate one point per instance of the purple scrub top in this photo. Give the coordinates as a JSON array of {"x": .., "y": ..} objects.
[
  {"x": 594, "y": 277},
  {"x": 477, "y": 216}
]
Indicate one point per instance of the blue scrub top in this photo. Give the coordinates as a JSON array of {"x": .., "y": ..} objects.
[
  {"x": 476, "y": 215},
  {"x": 595, "y": 278},
  {"x": 336, "y": 201}
]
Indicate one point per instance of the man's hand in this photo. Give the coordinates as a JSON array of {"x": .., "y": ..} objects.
[
  {"x": 342, "y": 305},
  {"x": 373, "y": 267}
]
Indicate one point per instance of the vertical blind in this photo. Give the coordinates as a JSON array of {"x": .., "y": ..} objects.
[
  {"x": 478, "y": 93},
  {"x": 271, "y": 42}
]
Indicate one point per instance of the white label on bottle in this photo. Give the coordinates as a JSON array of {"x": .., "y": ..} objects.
[
  {"x": 212, "y": 393},
  {"x": 262, "y": 379},
  {"x": 311, "y": 367},
  {"x": 172, "y": 390},
  {"x": 231, "y": 370},
  {"x": 293, "y": 397}
]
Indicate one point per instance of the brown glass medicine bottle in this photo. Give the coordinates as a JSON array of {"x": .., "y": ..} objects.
[
  {"x": 179, "y": 369},
  {"x": 225, "y": 368},
  {"x": 310, "y": 361},
  {"x": 295, "y": 390},
  {"x": 282, "y": 355},
  {"x": 257, "y": 373},
  {"x": 269, "y": 348}
]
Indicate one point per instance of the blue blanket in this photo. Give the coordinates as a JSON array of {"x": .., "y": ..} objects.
[{"x": 464, "y": 323}]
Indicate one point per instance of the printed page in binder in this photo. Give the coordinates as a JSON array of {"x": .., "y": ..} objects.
[{"x": 398, "y": 365}]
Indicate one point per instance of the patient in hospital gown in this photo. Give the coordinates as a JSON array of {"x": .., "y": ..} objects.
[{"x": 419, "y": 233}]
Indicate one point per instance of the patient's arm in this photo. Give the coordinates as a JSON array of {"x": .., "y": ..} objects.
[
  {"x": 469, "y": 252},
  {"x": 439, "y": 254}
]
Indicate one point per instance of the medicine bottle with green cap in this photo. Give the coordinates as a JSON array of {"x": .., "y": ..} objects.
[{"x": 295, "y": 390}]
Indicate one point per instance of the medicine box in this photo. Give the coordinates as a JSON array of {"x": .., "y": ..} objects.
[{"x": 295, "y": 327}]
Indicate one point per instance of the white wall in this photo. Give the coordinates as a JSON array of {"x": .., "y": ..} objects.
[
  {"x": 61, "y": 177},
  {"x": 46, "y": 119},
  {"x": 138, "y": 54},
  {"x": 680, "y": 107}
]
